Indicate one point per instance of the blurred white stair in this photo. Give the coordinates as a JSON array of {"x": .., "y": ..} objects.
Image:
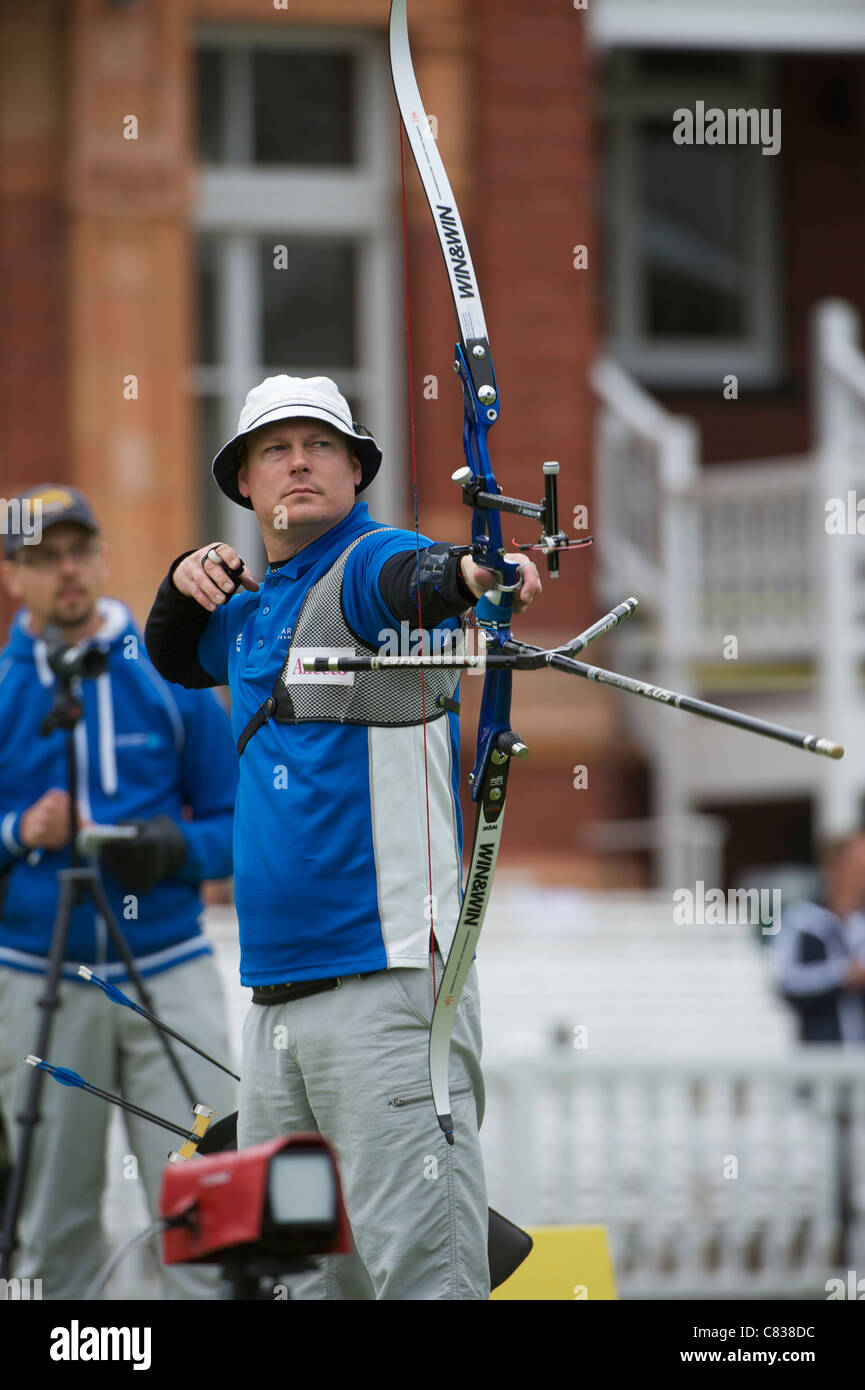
[{"x": 620, "y": 967}]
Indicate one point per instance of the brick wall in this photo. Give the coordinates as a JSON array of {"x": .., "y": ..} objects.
[{"x": 96, "y": 274}]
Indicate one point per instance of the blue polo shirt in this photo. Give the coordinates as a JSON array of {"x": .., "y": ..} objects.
[{"x": 330, "y": 834}]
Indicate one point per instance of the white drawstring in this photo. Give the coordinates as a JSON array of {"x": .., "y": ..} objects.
[{"x": 107, "y": 753}]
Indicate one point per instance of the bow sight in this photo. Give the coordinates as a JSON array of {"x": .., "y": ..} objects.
[{"x": 551, "y": 541}]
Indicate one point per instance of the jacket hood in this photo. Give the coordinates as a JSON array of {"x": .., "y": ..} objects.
[{"x": 117, "y": 622}]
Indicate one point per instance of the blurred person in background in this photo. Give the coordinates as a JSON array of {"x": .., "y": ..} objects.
[
  {"x": 163, "y": 760},
  {"x": 819, "y": 964},
  {"x": 818, "y": 956}
]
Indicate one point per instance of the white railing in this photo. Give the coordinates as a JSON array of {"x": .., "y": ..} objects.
[
  {"x": 738, "y": 547},
  {"x": 724, "y": 1179},
  {"x": 758, "y": 532},
  {"x": 743, "y": 550},
  {"x": 840, "y": 453},
  {"x": 646, "y": 459}
]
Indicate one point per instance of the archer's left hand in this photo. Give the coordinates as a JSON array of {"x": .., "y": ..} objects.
[
  {"x": 158, "y": 851},
  {"x": 479, "y": 580}
]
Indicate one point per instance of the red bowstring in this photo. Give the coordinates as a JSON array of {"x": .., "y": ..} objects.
[{"x": 417, "y": 542}]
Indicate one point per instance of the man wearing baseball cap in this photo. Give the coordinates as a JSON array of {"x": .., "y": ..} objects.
[
  {"x": 32, "y": 512},
  {"x": 148, "y": 755},
  {"x": 333, "y": 846}
]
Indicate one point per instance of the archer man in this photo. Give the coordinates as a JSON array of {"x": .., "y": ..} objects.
[{"x": 346, "y": 812}]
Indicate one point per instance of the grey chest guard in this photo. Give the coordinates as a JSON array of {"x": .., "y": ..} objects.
[{"x": 391, "y": 700}]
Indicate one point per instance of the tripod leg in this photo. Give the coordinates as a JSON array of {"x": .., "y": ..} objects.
[
  {"x": 29, "y": 1117},
  {"x": 95, "y": 885},
  {"x": 61, "y": 1237}
]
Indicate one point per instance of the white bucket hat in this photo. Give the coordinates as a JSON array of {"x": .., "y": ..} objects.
[{"x": 295, "y": 397}]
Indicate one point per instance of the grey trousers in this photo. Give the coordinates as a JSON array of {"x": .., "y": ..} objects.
[
  {"x": 352, "y": 1065},
  {"x": 60, "y": 1224}
]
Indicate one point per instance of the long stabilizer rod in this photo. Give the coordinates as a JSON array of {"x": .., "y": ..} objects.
[
  {"x": 118, "y": 997},
  {"x": 67, "y": 1077},
  {"x": 810, "y": 742}
]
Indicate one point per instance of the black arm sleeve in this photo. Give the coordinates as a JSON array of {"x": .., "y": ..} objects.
[
  {"x": 442, "y": 591},
  {"x": 173, "y": 630}
]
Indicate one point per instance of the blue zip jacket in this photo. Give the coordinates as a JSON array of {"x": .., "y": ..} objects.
[
  {"x": 331, "y": 841},
  {"x": 145, "y": 748}
]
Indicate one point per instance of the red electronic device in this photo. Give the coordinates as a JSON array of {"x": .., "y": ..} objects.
[{"x": 279, "y": 1199}]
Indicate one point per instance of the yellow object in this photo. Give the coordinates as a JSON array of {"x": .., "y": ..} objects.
[
  {"x": 567, "y": 1262},
  {"x": 203, "y": 1115}
]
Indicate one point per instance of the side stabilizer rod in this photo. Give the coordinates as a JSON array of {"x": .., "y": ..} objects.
[{"x": 811, "y": 743}]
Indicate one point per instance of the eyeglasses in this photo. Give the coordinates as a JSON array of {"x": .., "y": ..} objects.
[{"x": 48, "y": 557}]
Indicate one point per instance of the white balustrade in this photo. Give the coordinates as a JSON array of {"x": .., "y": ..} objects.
[
  {"x": 741, "y": 550},
  {"x": 716, "y": 1177}
]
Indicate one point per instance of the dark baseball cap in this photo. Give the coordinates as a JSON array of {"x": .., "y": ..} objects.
[{"x": 29, "y": 514}]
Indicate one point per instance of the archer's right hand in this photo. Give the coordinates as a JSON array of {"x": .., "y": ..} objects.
[
  {"x": 206, "y": 581},
  {"x": 45, "y": 824}
]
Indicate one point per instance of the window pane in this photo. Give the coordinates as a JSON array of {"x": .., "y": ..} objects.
[
  {"x": 212, "y": 440},
  {"x": 308, "y": 300},
  {"x": 665, "y": 64},
  {"x": 208, "y": 302},
  {"x": 210, "y": 105},
  {"x": 303, "y": 104},
  {"x": 693, "y": 222}
]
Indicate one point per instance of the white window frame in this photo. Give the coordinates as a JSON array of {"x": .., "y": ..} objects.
[
  {"x": 786, "y": 26},
  {"x": 241, "y": 202},
  {"x": 688, "y": 362}
]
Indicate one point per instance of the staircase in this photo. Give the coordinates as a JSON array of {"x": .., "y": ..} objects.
[{"x": 742, "y": 552}]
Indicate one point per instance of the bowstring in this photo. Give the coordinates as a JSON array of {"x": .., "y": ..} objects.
[{"x": 417, "y": 545}]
